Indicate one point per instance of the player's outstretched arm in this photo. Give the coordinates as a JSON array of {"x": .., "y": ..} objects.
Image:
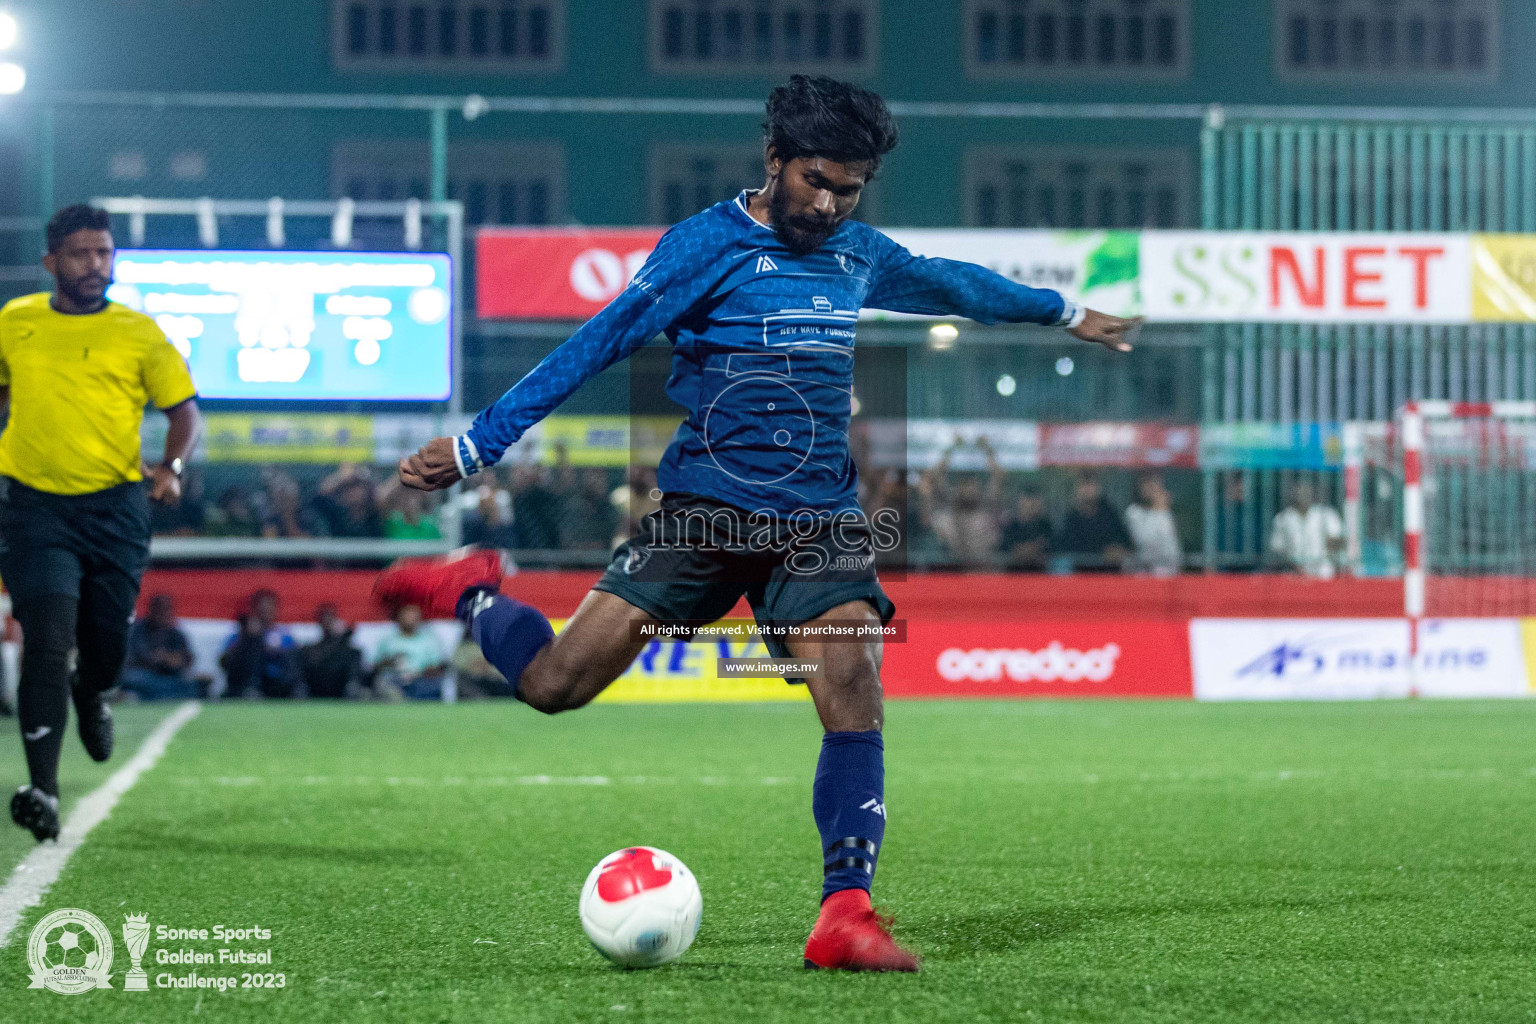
[
  {"x": 675, "y": 276},
  {"x": 1113, "y": 332},
  {"x": 906, "y": 283}
]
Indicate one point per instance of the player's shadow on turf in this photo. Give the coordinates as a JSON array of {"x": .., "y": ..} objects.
[
  {"x": 1003, "y": 931},
  {"x": 240, "y": 848}
]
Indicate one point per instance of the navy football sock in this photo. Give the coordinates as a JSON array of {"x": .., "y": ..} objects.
[
  {"x": 848, "y": 799},
  {"x": 509, "y": 632}
]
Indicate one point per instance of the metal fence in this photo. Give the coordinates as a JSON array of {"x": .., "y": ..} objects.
[
  {"x": 1260, "y": 168},
  {"x": 1365, "y": 170}
]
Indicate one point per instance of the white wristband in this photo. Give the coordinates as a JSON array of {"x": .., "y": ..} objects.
[
  {"x": 466, "y": 456},
  {"x": 1072, "y": 314}
]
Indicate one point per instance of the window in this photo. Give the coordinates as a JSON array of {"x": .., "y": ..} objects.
[
  {"x": 1387, "y": 39},
  {"x": 1060, "y": 38},
  {"x": 685, "y": 179},
  {"x": 449, "y": 35},
  {"x": 1078, "y": 188},
  {"x": 763, "y": 37},
  {"x": 498, "y": 183}
]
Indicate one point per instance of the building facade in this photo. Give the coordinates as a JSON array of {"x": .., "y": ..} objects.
[{"x": 553, "y": 168}]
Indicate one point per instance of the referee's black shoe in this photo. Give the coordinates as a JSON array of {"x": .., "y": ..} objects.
[
  {"x": 95, "y": 720},
  {"x": 37, "y": 812}
]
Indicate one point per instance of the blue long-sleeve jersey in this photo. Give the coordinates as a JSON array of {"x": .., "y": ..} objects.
[{"x": 762, "y": 352}]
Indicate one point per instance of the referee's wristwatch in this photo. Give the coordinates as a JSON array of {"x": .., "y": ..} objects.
[{"x": 175, "y": 466}]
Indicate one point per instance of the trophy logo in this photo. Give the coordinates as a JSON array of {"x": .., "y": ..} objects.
[
  {"x": 136, "y": 937},
  {"x": 70, "y": 951}
]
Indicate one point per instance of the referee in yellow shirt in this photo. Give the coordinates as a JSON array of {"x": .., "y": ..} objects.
[{"x": 77, "y": 371}]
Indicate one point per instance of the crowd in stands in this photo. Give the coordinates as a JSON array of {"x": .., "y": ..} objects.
[
  {"x": 263, "y": 659},
  {"x": 560, "y": 507},
  {"x": 353, "y": 500},
  {"x": 521, "y": 506},
  {"x": 969, "y": 520}
]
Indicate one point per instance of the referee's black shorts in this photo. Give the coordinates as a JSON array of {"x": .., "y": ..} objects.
[{"x": 93, "y": 547}]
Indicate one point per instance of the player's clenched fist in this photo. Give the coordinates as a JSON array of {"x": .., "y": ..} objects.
[
  {"x": 433, "y": 468},
  {"x": 1113, "y": 332}
]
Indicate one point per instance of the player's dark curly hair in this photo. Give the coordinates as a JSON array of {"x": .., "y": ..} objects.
[
  {"x": 812, "y": 115},
  {"x": 79, "y": 217}
]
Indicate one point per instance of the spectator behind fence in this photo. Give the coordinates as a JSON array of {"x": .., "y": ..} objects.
[
  {"x": 234, "y": 515},
  {"x": 1152, "y": 529},
  {"x": 1026, "y": 537},
  {"x": 963, "y": 513},
  {"x": 1237, "y": 525},
  {"x": 1307, "y": 536},
  {"x": 1092, "y": 534},
  {"x": 536, "y": 509},
  {"x": 590, "y": 517},
  {"x": 886, "y": 505},
  {"x": 490, "y": 523},
  {"x": 332, "y": 666},
  {"x": 260, "y": 659},
  {"x": 406, "y": 516},
  {"x": 159, "y": 656},
  {"x": 410, "y": 661},
  {"x": 346, "y": 503},
  {"x": 634, "y": 499},
  {"x": 283, "y": 513},
  {"x": 477, "y": 677}
]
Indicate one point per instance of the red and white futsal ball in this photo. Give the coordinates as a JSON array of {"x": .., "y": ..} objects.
[{"x": 641, "y": 907}]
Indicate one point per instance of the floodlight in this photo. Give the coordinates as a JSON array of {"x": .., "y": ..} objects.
[{"x": 13, "y": 79}]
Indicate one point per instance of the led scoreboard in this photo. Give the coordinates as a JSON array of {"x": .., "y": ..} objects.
[{"x": 300, "y": 325}]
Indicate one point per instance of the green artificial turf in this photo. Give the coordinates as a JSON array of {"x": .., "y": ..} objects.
[
  {"x": 78, "y": 774},
  {"x": 1115, "y": 862}
]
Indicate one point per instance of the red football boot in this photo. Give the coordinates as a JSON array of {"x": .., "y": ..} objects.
[
  {"x": 850, "y": 936},
  {"x": 435, "y": 584}
]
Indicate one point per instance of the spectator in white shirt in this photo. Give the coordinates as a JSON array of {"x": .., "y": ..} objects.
[
  {"x": 1150, "y": 522},
  {"x": 964, "y": 513},
  {"x": 411, "y": 660},
  {"x": 1307, "y": 535}
]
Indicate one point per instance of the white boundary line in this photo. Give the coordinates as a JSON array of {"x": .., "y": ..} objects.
[{"x": 35, "y": 874}]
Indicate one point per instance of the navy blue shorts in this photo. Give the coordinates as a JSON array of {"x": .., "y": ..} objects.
[{"x": 692, "y": 559}]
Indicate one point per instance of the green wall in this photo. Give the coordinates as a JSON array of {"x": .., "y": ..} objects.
[{"x": 285, "y": 46}]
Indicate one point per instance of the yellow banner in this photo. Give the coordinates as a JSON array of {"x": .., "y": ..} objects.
[
  {"x": 607, "y": 440},
  {"x": 1528, "y": 642},
  {"x": 668, "y": 673},
  {"x": 299, "y": 437},
  {"x": 1504, "y": 278}
]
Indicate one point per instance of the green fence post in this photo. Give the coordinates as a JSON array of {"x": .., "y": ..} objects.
[
  {"x": 45, "y": 165},
  {"x": 1210, "y": 177},
  {"x": 439, "y": 154},
  {"x": 439, "y": 169}
]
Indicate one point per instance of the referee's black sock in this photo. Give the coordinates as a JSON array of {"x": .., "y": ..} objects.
[{"x": 42, "y": 697}]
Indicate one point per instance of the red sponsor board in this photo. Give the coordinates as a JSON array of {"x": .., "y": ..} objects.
[
  {"x": 1112, "y": 658},
  {"x": 555, "y": 274},
  {"x": 1137, "y": 445}
]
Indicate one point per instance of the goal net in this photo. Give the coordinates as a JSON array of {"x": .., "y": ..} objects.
[{"x": 1468, "y": 509}]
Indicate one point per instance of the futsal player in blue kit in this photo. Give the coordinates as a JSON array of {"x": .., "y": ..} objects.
[{"x": 759, "y": 297}]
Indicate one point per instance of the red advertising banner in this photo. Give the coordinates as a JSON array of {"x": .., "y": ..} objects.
[
  {"x": 555, "y": 273},
  {"x": 1112, "y": 658},
  {"x": 1134, "y": 445}
]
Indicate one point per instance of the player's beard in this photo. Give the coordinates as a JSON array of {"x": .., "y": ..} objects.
[{"x": 800, "y": 235}]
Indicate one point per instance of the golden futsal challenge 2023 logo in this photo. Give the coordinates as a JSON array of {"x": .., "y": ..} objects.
[{"x": 71, "y": 951}]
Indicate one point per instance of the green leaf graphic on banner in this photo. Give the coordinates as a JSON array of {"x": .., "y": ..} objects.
[{"x": 1116, "y": 261}]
